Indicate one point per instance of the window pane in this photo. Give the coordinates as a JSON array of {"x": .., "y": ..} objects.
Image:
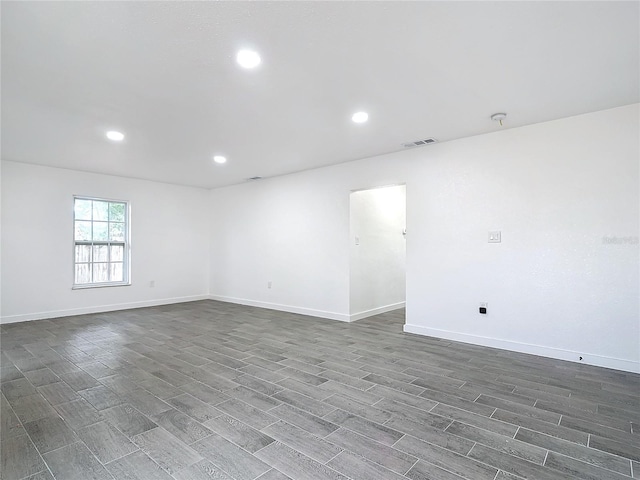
[
  {"x": 100, "y": 210},
  {"x": 100, "y": 232},
  {"x": 117, "y": 253},
  {"x": 116, "y": 272},
  {"x": 100, "y": 272},
  {"x": 83, "y": 274},
  {"x": 116, "y": 212},
  {"x": 82, "y": 230},
  {"x": 116, "y": 231},
  {"x": 83, "y": 253},
  {"x": 100, "y": 253},
  {"x": 82, "y": 209}
]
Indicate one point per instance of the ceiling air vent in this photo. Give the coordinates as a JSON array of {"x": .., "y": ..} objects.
[{"x": 419, "y": 143}]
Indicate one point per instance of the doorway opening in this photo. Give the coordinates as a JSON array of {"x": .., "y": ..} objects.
[{"x": 377, "y": 253}]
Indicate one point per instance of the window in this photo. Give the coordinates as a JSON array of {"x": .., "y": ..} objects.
[{"x": 101, "y": 242}]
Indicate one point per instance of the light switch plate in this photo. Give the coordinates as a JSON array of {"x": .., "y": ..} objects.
[{"x": 495, "y": 237}]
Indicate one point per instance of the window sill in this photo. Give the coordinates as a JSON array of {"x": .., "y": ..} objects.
[{"x": 100, "y": 285}]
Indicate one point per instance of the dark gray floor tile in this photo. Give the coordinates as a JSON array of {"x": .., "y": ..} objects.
[
  {"x": 44, "y": 475},
  {"x": 182, "y": 426},
  {"x": 365, "y": 427},
  {"x": 10, "y": 426},
  {"x": 359, "y": 468},
  {"x": 160, "y": 388},
  {"x": 194, "y": 408},
  {"x": 412, "y": 400},
  {"x": 295, "y": 464},
  {"x": 304, "y": 420},
  {"x": 78, "y": 413},
  {"x": 542, "y": 427},
  {"x": 253, "y": 398},
  {"x": 101, "y": 397},
  {"x": 273, "y": 474},
  {"x": 379, "y": 453},
  {"x": 302, "y": 366},
  {"x": 575, "y": 468},
  {"x": 333, "y": 387},
  {"x": 303, "y": 402},
  {"x": 577, "y": 451},
  {"x": 119, "y": 384},
  {"x": 106, "y": 442},
  {"x": 250, "y": 415},
  {"x": 426, "y": 471},
  {"x": 514, "y": 465},
  {"x": 79, "y": 380},
  {"x": 480, "y": 421},
  {"x": 146, "y": 402},
  {"x": 128, "y": 420},
  {"x": 302, "y": 441},
  {"x": 458, "y": 402},
  {"x": 172, "y": 377},
  {"x": 586, "y": 426},
  {"x": 230, "y": 458},
  {"x": 526, "y": 451},
  {"x": 16, "y": 389},
  {"x": 204, "y": 393},
  {"x": 203, "y": 470},
  {"x": 348, "y": 380},
  {"x": 19, "y": 458},
  {"x": 239, "y": 433},
  {"x": 351, "y": 405},
  {"x": 166, "y": 450},
  {"x": 32, "y": 407},
  {"x": 50, "y": 433},
  {"x": 626, "y": 449},
  {"x": 200, "y": 349},
  {"x": 447, "y": 457},
  {"x": 40, "y": 377},
  {"x": 97, "y": 369},
  {"x": 75, "y": 462},
  {"x": 412, "y": 389},
  {"x": 137, "y": 466},
  {"x": 56, "y": 393}
]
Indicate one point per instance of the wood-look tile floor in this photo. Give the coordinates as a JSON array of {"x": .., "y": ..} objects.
[{"x": 209, "y": 390}]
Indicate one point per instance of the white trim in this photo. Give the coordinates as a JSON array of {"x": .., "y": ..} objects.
[
  {"x": 376, "y": 311},
  {"x": 343, "y": 317},
  {"x": 550, "y": 352},
  {"x": 99, "y": 309}
]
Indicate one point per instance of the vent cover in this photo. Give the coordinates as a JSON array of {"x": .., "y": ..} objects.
[{"x": 419, "y": 143}]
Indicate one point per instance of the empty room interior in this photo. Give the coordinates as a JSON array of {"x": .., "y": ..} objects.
[{"x": 320, "y": 240}]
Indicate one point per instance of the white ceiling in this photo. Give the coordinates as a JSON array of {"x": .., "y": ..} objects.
[{"x": 164, "y": 73}]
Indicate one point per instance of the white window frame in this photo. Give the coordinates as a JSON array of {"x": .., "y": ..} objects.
[{"x": 126, "y": 264}]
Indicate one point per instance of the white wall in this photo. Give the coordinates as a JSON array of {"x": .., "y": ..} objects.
[
  {"x": 377, "y": 250},
  {"x": 170, "y": 236},
  {"x": 555, "y": 287}
]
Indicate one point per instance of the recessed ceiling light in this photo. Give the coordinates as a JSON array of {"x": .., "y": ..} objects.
[
  {"x": 360, "y": 117},
  {"x": 248, "y": 58},
  {"x": 219, "y": 159},
  {"x": 115, "y": 136}
]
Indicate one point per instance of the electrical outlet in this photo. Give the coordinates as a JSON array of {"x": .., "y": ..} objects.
[
  {"x": 495, "y": 237},
  {"x": 152, "y": 284},
  {"x": 269, "y": 284},
  {"x": 483, "y": 308}
]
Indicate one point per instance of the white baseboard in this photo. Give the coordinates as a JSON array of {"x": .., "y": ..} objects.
[
  {"x": 376, "y": 311},
  {"x": 550, "y": 352},
  {"x": 343, "y": 317},
  {"x": 98, "y": 309}
]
